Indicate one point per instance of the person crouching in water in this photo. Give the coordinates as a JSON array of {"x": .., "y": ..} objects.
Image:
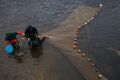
[
  {"x": 11, "y": 38},
  {"x": 31, "y": 34}
]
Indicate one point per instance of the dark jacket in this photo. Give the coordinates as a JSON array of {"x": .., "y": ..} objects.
[{"x": 31, "y": 32}]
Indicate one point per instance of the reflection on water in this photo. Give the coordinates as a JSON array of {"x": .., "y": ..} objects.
[
  {"x": 23, "y": 51},
  {"x": 37, "y": 52},
  {"x": 19, "y": 59},
  {"x": 34, "y": 52}
]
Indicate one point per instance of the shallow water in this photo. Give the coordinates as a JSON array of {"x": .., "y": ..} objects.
[{"x": 100, "y": 40}]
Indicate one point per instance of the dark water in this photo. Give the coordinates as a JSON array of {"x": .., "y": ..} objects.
[
  {"x": 40, "y": 13},
  {"x": 100, "y": 39},
  {"x": 45, "y": 15}
]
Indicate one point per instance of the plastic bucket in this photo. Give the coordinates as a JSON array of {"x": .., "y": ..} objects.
[{"x": 9, "y": 49}]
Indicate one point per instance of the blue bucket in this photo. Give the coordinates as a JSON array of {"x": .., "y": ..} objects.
[{"x": 9, "y": 49}]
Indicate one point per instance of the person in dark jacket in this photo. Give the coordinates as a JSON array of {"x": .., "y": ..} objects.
[{"x": 31, "y": 34}]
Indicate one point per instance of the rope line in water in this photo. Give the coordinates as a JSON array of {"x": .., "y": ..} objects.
[{"x": 75, "y": 46}]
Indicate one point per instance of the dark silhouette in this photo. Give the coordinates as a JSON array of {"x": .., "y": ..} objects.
[{"x": 31, "y": 34}]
